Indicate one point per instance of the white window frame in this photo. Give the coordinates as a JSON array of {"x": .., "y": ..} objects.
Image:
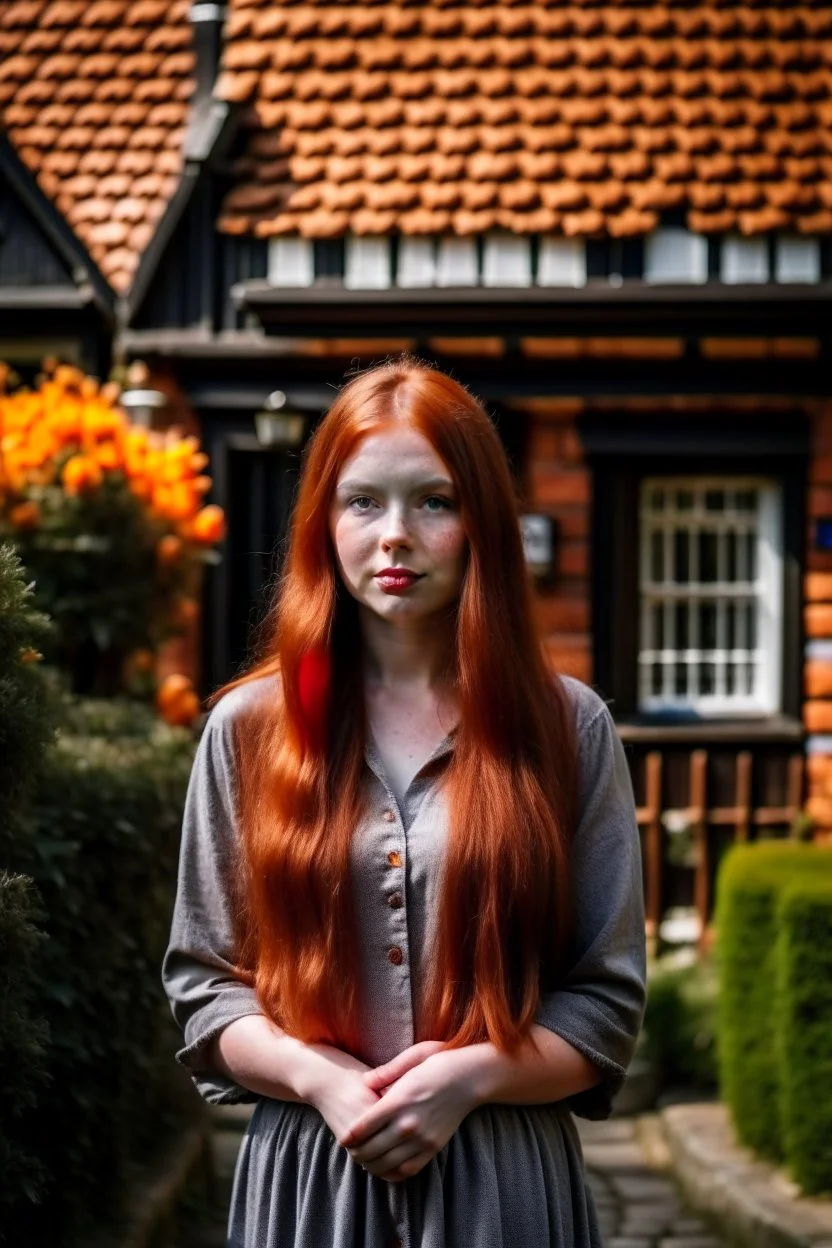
[
  {"x": 561, "y": 262},
  {"x": 367, "y": 262},
  {"x": 291, "y": 261},
  {"x": 744, "y": 261},
  {"x": 675, "y": 256},
  {"x": 506, "y": 260},
  {"x": 766, "y": 591},
  {"x": 457, "y": 262},
  {"x": 797, "y": 259},
  {"x": 416, "y": 262}
]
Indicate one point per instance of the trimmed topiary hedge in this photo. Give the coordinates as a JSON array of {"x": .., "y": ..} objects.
[
  {"x": 804, "y": 955},
  {"x": 772, "y": 1017},
  {"x": 680, "y": 1023}
]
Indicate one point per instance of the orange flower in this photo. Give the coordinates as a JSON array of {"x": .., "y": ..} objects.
[
  {"x": 107, "y": 455},
  {"x": 25, "y": 515},
  {"x": 169, "y": 549},
  {"x": 30, "y": 656},
  {"x": 81, "y": 473},
  {"x": 209, "y": 524},
  {"x": 177, "y": 701}
]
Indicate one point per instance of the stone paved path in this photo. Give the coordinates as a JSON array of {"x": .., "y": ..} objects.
[{"x": 638, "y": 1204}]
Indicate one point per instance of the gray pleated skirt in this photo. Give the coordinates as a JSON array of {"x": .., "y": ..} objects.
[{"x": 512, "y": 1176}]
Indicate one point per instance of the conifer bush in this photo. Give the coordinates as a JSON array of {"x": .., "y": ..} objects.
[{"x": 24, "y": 733}]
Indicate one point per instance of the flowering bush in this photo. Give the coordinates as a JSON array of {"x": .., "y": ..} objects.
[{"x": 109, "y": 521}]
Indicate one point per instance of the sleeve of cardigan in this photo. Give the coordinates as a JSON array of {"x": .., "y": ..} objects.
[
  {"x": 599, "y": 1005},
  {"x": 198, "y": 973}
]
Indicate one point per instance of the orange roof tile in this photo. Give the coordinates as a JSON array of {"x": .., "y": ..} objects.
[
  {"x": 94, "y": 97},
  {"x": 556, "y": 116}
]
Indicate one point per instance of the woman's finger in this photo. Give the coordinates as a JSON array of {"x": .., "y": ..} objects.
[
  {"x": 384, "y": 1075},
  {"x": 407, "y": 1168},
  {"x": 388, "y": 1163},
  {"x": 371, "y": 1121}
]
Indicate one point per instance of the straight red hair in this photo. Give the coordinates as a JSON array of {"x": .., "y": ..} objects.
[{"x": 503, "y": 913}]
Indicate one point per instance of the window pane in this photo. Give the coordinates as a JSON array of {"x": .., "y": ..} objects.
[
  {"x": 658, "y": 676},
  {"x": 751, "y": 625},
  {"x": 746, "y": 500},
  {"x": 707, "y": 678},
  {"x": 707, "y": 626},
  {"x": 658, "y": 627},
  {"x": 714, "y": 500},
  {"x": 730, "y": 671},
  {"x": 707, "y": 558},
  {"x": 657, "y": 500},
  {"x": 730, "y": 625},
  {"x": 681, "y": 683},
  {"x": 749, "y": 678},
  {"x": 657, "y": 558},
  {"x": 680, "y": 557},
  {"x": 731, "y": 556},
  {"x": 684, "y": 500},
  {"x": 751, "y": 556},
  {"x": 682, "y": 641}
]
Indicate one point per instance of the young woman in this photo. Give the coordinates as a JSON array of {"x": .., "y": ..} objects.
[{"x": 409, "y": 922}]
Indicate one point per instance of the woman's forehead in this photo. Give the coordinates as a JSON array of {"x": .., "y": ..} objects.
[{"x": 395, "y": 451}]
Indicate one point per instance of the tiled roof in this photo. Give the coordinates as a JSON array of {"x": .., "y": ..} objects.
[
  {"x": 573, "y": 118},
  {"x": 94, "y": 97}
]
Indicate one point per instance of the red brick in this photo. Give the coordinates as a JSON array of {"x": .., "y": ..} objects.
[
  {"x": 560, "y": 613},
  {"x": 573, "y": 559},
  {"x": 820, "y": 470},
  {"x": 817, "y": 618},
  {"x": 817, "y": 716},
  {"x": 817, "y": 587},
  {"x": 544, "y": 443},
  {"x": 820, "y": 808},
  {"x": 817, "y": 679},
  {"x": 819, "y": 775},
  {"x": 820, "y": 500},
  {"x": 551, "y": 487}
]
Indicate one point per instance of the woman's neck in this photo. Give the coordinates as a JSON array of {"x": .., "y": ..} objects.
[{"x": 416, "y": 655}]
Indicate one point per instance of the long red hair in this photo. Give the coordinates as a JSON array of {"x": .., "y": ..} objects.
[{"x": 503, "y": 913}]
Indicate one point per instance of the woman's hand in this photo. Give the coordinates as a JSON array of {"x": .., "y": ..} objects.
[
  {"x": 420, "y": 1110},
  {"x": 339, "y": 1091}
]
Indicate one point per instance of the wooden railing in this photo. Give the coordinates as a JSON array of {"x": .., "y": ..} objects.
[{"x": 700, "y": 818}]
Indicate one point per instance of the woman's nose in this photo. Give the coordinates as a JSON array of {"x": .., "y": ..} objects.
[{"x": 395, "y": 531}]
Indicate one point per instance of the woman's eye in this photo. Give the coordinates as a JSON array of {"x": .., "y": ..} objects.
[
  {"x": 362, "y": 503},
  {"x": 442, "y": 504}
]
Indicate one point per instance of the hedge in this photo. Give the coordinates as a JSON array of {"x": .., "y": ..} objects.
[
  {"x": 761, "y": 978},
  {"x": 680, "y": 1023},
  {"x": 103, "y": 853},
  {"x": 25, "y": 730},
  {"x": 805, "y": 1041}
]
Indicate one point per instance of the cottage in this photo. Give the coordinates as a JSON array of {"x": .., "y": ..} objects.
[{"x": 613, "y": 221}]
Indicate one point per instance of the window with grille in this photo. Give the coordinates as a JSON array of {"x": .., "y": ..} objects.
[{"x": 711, "y": 596}]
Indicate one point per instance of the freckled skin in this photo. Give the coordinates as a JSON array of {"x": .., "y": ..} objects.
[{"x": 399, "y": 515}]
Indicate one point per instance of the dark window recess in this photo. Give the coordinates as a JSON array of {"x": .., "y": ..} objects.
[
  {"x": 597, "y": 258},
  {"x": 632, "y": 257},
  {"x": 776, "y": 448},
  {"x": 826, "y": 258},
  {"x": 329, "y": 259},
  {"x": 674, "y": 219},
  {"x": 714, "y": 259}
]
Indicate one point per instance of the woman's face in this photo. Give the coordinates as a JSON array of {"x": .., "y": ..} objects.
[{"x": 396, "y": 526}]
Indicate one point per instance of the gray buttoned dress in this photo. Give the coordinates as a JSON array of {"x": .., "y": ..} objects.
[{"x": 512, "y": 1176}]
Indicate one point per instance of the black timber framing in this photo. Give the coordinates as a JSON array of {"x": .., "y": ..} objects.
[
  {"x": 51, "y": 292},
  {"x": 636, "y": 308}
]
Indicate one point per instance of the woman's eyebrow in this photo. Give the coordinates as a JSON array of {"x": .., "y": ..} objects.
[{"x": 431, "y": 483}]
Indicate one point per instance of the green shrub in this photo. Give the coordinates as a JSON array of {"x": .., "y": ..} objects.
[
  {"x": 25, "y": 729},
  {"x": 804, "y": 951},
  {"x": 749, "y": 1012},
  {"x": 680, "y": 1023},
  {"x": 106, "y": 823}
]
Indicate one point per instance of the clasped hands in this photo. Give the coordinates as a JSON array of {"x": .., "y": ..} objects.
[{"x": 407, "y": 1109}]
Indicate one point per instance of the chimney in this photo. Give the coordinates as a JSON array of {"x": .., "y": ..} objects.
[{"x": 207, "y": 21}]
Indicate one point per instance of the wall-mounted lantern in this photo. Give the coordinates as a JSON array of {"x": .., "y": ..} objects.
[
  {"x": 141, "y": 405},
  {"x": 279, "y": 427},
  {"x": 539, "y": 537}
]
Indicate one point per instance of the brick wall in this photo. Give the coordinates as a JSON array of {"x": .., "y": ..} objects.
[
  {"x": 817, "y": 616},
  {"x": 558, "y": 483}
]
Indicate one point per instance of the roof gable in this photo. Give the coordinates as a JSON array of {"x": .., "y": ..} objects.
[
  {"x": 94, "y": 98},
  {"x": 530, "y": 117}
]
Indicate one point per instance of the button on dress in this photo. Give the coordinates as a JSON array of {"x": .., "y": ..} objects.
[{"x": 511, "y": 1176}]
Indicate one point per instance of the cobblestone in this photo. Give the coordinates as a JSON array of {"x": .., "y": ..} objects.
[{"x": 638, "y": 1204}]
